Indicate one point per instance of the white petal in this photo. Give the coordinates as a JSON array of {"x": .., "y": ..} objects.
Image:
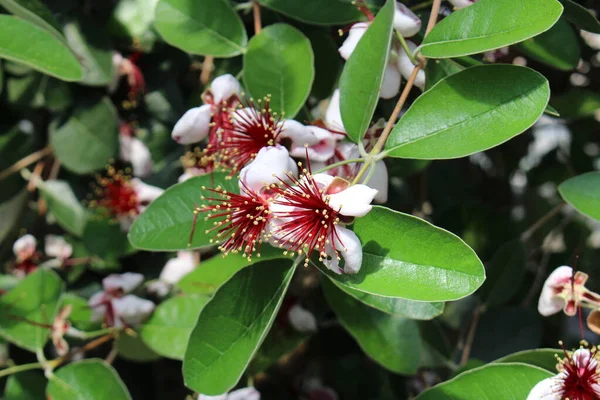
[
  {"x": 406, "y": 66},
  {"x": 355, "y": 201},
  {"x": 379, "y": 182},
  {"x": 159, "y": 288},
  {"x": 125, "y": 221},
  {"x": 582, "y": 358},
  {"x": 206, "y": 397},
  {"x": 333, "y": 116},
  {"x": 269, "y": 160},
  {"x": 248, "y": 393},
  {"x": 299, "y": 133},
  {"x": 356, "y": 32},
  {"x": 133, "y": 150},
  {"x": 57, "y": 247},
  {"x": 126, "y": 282},
  {"x": 193, "y": 126},
  {"x": 178, "y": 267},
  {"x": 549, "y": 303},
  {"x": 131, "y": 309},
  {"x": 24, "y": 247},
  {"x": 145, "y": 193},
  {"x": 458, "y": 4},
  {"x": 390, "y": 84},
  {"x": 322, "y": 149},
  {"x": 190, "y": 173},
  {"x": 350, "y": 249},
  {"x": 405, "y": 21},
  {"x": 98, "y": 309},
  {"x": 301, "y": 319},
  {"x": 223, "y": 87},
  {"x": 323, "y": 180},
  {"x": 545, "y": 390}
]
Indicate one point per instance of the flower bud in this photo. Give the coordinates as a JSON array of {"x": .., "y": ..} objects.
[
  {"x": 458, "y": 4},
  {"x": 406, "y": 66},
  {"x": 24, "y": 247},
  {"x": 390, "y": 84},
  {"x": 137, "y": 153},
  {"x": 405, "y": 21},
  {"x": 356, "y": 32},
  {"x": 591, "y": 39},
  {"x": 301, "y": 319},
  {"x": 57, "y": 247},
  {"x": 193, "y": 126},
  {"x": 269, "y": 163},
  {"x": 223, "y": 87}
]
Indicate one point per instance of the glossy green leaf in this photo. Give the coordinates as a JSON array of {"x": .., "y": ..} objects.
[
  {"x": 94, "y": 51},
  {"x": 28, "y": 385},
  {"x": 545, "y": 48},
  {"x": 437, "y": 70},
  {"x": 361, "y": 78},
  {"x": 36, "y": 12},
  {"x": 65, "y": 207},
  {"x": 10, "y": 212},
  {"x": 583, "y": 193},
  {"x": 38, "y": 48},
  {"x": 332, "y": 12},
  {"x": 280, "y": 62},
  {"x": 391, "y": 340},
  {"x": 395, "y": 306},
  {"x": 206, "y": 27},
  {"x": 86, "y": 380},
  {"x": 168, "y": 330},
  {"x": 456, "y": 118},
  {"x": 167, "y": 222},
  {"x": 580, "y": 16},
  {"x": 489, "y": 25},
  {"x": 233, "y": 325},
  {"x": 89, "y": 138},
  {"x": 407, "y": 257},
  {"x": 105, "y": 238},
  {"x": 577, "y": 103},
  {"x": 490, "y": 382},
  {"x": 505, "y": 273},
  {"x": 542, "y": 358},
  {"x": 34, "y": 299}
]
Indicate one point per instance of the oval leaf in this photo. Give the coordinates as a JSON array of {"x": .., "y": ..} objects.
[
  {"x": 280, "y": 63},
  {"x": 490, "y": 382},
  {"x": 319, "y": 12},
  {"x": 456, "y": 117},
  {"x": 167, "y": 222},
  {"x": 580, "y": 16},
  {"x": 505, "y": 273},
  {"x": 390, "y": 340},
  {"x": 205, "y": 27},
  {"x": 85, "y": 380},
  {"x": 37, "y": 48},
  {"x": 233, "y": 325},
  {"x": 168, "y": 330},
  {"x": 35, "y": 12},
  {"x": 25, "y": 386},
  {"x": 65, "y": 207},
  {"x": 489, "y": 25},
  {"x": 583, "y": 193},
  {"x": 407, "y": 257},
  {"x": 34, "y": 299},
  {"x": 542, "y": 358},
  {"x": 361, "y": 78},
  {"x": 92, "y": 127}
]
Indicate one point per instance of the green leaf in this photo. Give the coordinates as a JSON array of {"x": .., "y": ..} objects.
[
  {"x": 25, "y": 386},
  {"x": 279, "y": 342},
  {"x": 558, "y": 47},
  {"x": 206, "y": 27},
  {"x": 437, "y": 70},
  {"x": 280, "y": 62},
  {"x": 542, "y": 358},
  {"x": 89, "y": 138},
  {"x": 105, "y": 238},
  {"x": 85, "y": 380},
  {"x": 38, "y": 48},
  {"x": 34, "y": 299},
  {"x": 583, "y": 193},
  {"x": 505, "y": 273},
  {"x": 81, "y": 316},
  {"x": 392, "y": 341},
  {"x": 490, "y": 382},
  {"x": 36, "y": 12},
  {"x": 94, "y": 50},
  {"x": 10, "y": 212},
  {"x": 232, "y": 326},
  {"x": 407, "y": 257},
  {"x": 489, "y": 25},
  {"x": 580, "y": 16},
  {"x": 456, "y": 117},
  {"x": 167, "y": 222},
  {"x": 395, "y": 306},
  {"x": 65, "y": 207},
  {"x": 132, "y": 348},
  {"x": 168, "y": 330},
  {"x": 319, "y": 12},
  {"x": 361, "y": 78},
  {"x": 577, "y": 103}
]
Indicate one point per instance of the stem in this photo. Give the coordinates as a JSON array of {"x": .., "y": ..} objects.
[
  {"x": 422, "y": 5},
  {"x": 435, "y": 11},
  {"x": 257, "y": 20},
  {"x": 338, "y": 164},
  {"x": 76, "y": 333},
  {"x": 25, "y": 161},
  {"x": 471, "y": 335},
  {"x": 19, "y": 368},
  {"x": 207, "y": 67},
  {"x": 540, "y": 222},
  {"x": 405, "y": 47},
  {"x": 370, "y": 174}
]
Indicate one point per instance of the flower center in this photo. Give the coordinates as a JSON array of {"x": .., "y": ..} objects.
[
  {"x": 580, "y": 376},
  {"x": 116, "y": 195}
]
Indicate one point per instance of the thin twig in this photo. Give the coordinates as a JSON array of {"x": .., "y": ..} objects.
[
  {"x": 25, "y": 161},
  {"x": 421, "y": 6},
  {"x": 207, "y": 67},
  {"x": 54, "y": 170},
  {"x": 471, "y": 335},
  {"x": 257, "y": 20},
  {"x": 540, "y": 222},
  {"x": 435, "y": 11},
  {"x": 19, "y": 368},
  {"x": 37, "y": 172}
]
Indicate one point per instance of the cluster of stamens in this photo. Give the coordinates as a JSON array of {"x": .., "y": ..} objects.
[
  {"x": 114, "y": 194},
  {"x": 579, "y": 375}
]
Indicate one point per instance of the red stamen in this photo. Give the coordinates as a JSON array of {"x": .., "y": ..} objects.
[
  {"x": 116, "y": 195},
  {"x": 363, "y": 8}
]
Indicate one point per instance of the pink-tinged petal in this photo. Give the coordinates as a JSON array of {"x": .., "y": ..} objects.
[
  {"x": 178, "y": 267},
  {"x": 132, "y": 310},
  {"x": 24, "y": 247},
  {"x": 390, "y": 84},
  {"x": 57, "y": 247},
  {"x": 322, "y": 149},
  {"x": 549, "y": 302},
  {"x": 125, "y": 282},
  {"x": 356, "y": 32},
  {"x": 406, "y": 67},
  {"x": 145, "y": 193},
  {"x": 223, "y": 87},
  {"x": 458, "y": 4},
  {"x": 545, "y": 390},
  {"x": 582, "y": 358},
  {"x": 323, "y": 180},
  {"x": 96, "y": 304},
  {"x": 269, "y": 163},
  {"x": 298, "y": 133},
  {"x": 355, "y": 201},
  {"x": 193, "y": 126},
  {"x": 405, "y": 21},
  {"x": 134, "y": 151},
  {"x": 350, "y": 248},
  {"x": 333, "y": 115},
  {"x": 301, "y": 319}
]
